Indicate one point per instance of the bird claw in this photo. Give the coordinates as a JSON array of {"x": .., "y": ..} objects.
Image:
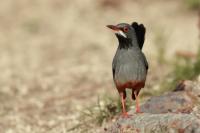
[
  {"x": 126, "y": 115},
  {"x": 138, "y": 111}
]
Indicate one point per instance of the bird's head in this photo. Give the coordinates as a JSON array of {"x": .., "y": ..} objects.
[{"x": 123, "y": 31}]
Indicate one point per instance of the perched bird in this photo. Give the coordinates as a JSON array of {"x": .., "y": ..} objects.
[{"x": 129, "y": 65}]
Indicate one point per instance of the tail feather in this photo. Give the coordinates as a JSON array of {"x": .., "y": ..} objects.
[{"x": 140, "y": 33}]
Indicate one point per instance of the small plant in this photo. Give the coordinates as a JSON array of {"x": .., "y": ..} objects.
[
  {"x": 183, "y": 69},
  {"x": 106, "y": 109}
]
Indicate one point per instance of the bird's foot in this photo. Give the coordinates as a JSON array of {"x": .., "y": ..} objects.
[
  {"x": 126, "y": 115},
  {"x": 138, "y": 111}
]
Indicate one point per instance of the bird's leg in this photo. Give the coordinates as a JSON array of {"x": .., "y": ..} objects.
[
  {"x": 122, "y": 95},
  {"x": 137, "y": 102}
]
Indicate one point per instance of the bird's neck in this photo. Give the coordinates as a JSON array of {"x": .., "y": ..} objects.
[{"x": 125, "y": 43}]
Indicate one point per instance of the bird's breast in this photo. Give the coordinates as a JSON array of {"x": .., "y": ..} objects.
[{"x": 129, "y": 66}]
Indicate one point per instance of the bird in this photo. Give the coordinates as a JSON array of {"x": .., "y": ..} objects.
[{"x": 129, "y": 65}]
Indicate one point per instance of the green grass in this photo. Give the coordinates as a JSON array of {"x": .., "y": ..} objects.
[
  {"x": 183, "y": 69},
  {"x": 193, "y": 4},
  {"x": 105, "y": 109}
]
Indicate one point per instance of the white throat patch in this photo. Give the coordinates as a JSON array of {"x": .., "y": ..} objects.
[{"x": 121, "y": 33}]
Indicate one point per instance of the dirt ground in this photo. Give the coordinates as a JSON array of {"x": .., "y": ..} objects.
[{"x": 55, "y": 56}]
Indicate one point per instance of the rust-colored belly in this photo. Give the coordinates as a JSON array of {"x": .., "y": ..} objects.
[{"x": 130, "y": 84}]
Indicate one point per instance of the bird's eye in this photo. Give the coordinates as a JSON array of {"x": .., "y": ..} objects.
[{"x": 125, "y": 29}]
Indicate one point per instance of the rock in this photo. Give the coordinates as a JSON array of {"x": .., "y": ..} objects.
[
  {"x": 171, "y": 102},
  {"x": 174, "y": 112},
  {"x": 157, "y": 123}
]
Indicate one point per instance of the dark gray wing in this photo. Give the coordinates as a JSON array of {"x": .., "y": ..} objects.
[
  {"x": 113, "y": 71},
  {"x": 145, "y": 62},
  {"x": 114, "y": 66},
  {"x": 140, "y": 33}
]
